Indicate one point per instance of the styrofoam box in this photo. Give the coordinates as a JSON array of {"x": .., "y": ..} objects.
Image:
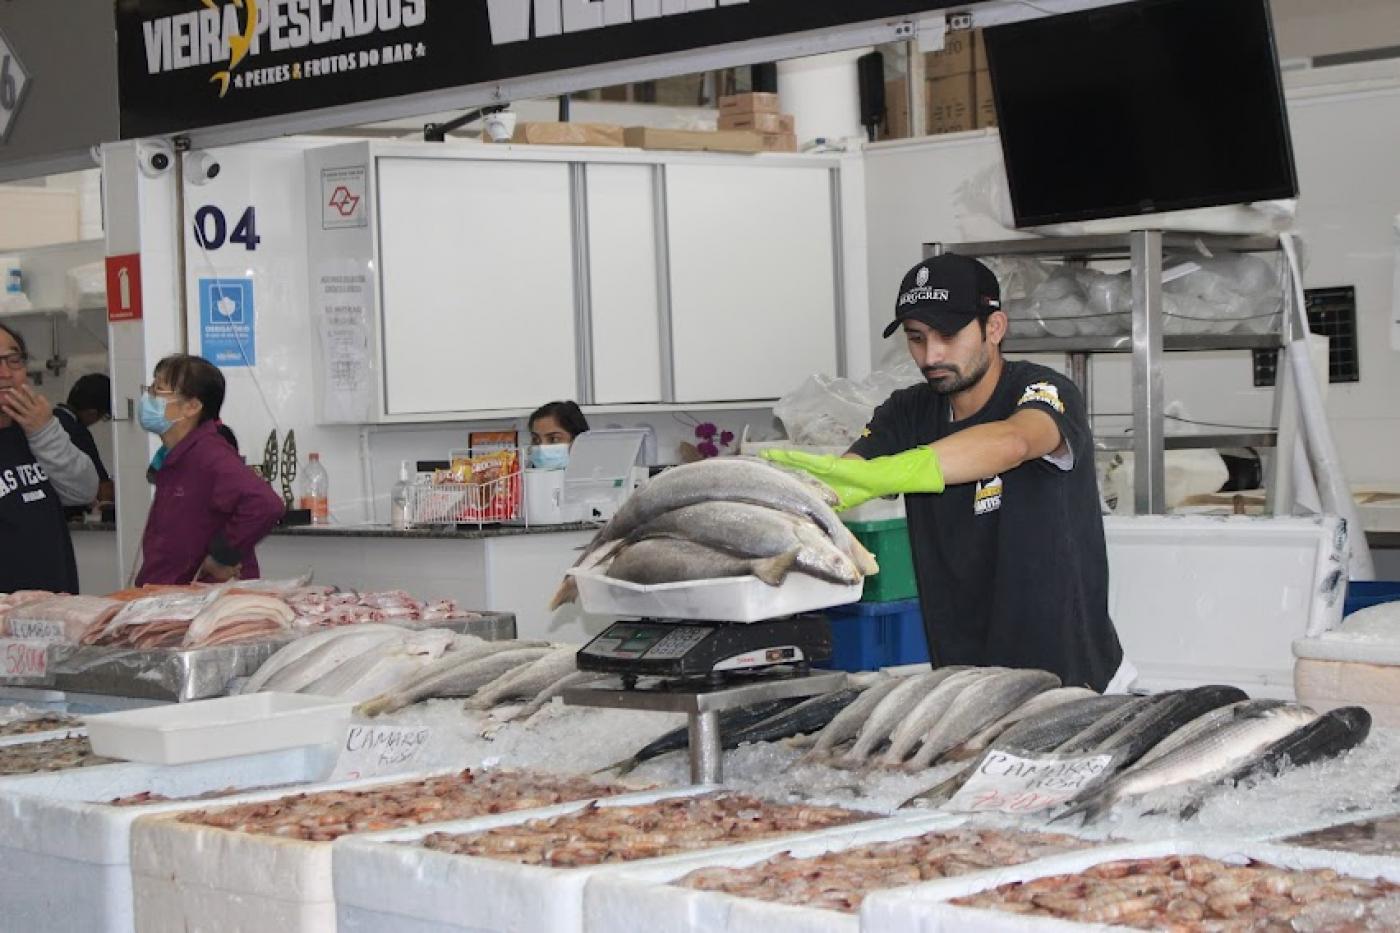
[
  {"x": 66, "y": 852},
  {"x": 631, "y": 899},
  {"x": 193, "y": 877},
  {"x": 383, "y": 885},
  {"x": 42, "y": 736},
  {"x": 924, "y": 908},
  {"x": 207, "y": 729},
  {"x": 731, "y": 599}
]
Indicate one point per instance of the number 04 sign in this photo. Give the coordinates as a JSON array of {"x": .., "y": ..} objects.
[{"x": 14, "y": 81}]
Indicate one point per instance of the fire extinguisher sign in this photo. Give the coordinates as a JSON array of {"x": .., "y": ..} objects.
[{"x": 124, "y": 288}]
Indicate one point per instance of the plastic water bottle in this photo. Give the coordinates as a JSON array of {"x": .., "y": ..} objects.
[
  {"x": 399, "y": 515},
  {"x": 315, "y": 491}
]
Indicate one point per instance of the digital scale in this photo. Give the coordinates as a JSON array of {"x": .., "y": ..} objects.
[{"x": 714, "y": 651}]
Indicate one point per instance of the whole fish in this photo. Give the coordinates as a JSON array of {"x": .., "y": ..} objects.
[
  {"x": 730, "y": 721},
  {"x": 1328, "y": 736},
  {"x": 928, "y": 710},
  {"x": 672, "y": 560},
  {"x": 848, "y": 722},
  {"x": 308, "y": 645},
  {"x": 1198, "y": 727},
  {"x": 1036, "y": 704},
  {"x": 1175, "y": 710},
  {"x": 378, "y": 669},
  {"x": 808, "y": 716},
  {"x": 449, "y": 677},
  {"x": 1113, "y": 719},
  {"x": 458, "y": 654},
  {"x": 727, "y": 479},
  {"x": 1037, "y": 734},
  {"x": 754, "y": 531},
  {"x": 981, "y": 703},
  {"x": 541, "y": 699},
  {"x": 1208, "y": 757},
  {"x": 891, "y": 712},
  {"x": 527, "y": 680}
]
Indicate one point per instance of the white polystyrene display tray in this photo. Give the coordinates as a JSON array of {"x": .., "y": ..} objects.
[
  {"x": 222, "y": 728},
  {"x": 731, "y": 599},
  {"x": 630, "y": 899},
  {"x": 383, "y": 885},
  {"x": 925, "y": 908},
  {"x": 42, "y": 736},
  {"x": 66, "y": 851},
  {"x": 188, "y": 876}
]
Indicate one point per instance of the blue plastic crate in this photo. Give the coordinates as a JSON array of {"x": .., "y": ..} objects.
[
  {"x": 1362, "y": 594},
  {"x": 866, "y": 636}
]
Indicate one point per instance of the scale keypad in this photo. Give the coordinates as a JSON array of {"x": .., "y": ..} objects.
[{"x": 677, "y": 643}]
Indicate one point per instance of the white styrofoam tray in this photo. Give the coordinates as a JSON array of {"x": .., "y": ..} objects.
[
  {"x": 731, "y": 599},
  {"x": 924, "y": 908},
  {"x": 66, "y": 852},
  {"x": 42, "y": 736},
  {"x": 222, "y": 728},
  {"x": 631, "y": 899},
  {"x": 384, "y": 885},
  {"x": 189, "y": 876}
]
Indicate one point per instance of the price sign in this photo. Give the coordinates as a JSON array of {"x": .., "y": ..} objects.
[
  {"x": 371, "y": 751},
  {"x": 24, "y": 658},
  {"x": 1007, "y": 783},
  {"x": 37, "y": 630}
]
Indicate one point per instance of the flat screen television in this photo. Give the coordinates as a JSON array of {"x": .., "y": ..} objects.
[{"x": 1139, "y": 108}]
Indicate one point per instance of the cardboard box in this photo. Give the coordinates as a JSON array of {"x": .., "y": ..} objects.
[
  {"x": 646, "y": 137},
  {"x": 755, "y": 122},
  {"x": 960, "y": 55},
  {"x": 985, "y": 101},
  {"x": 779, "y": 142},
  {"x": 568, "y": 134},
  {"x": 896, "y": 110},
  {"x": 756, "y": 102},
  {"x": 951, "y": 104}
]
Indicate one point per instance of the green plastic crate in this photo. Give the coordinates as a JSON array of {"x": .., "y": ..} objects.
[{"x": 889, "y": 541}]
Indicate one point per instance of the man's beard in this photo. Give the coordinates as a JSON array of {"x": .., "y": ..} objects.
[{"x": 946, "y": 379}]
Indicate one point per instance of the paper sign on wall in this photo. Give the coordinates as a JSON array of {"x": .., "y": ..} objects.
[
  {"x": 370, "y": 751},
  {"x": 227, "y": 322},
  {"x": 343, "y": 197},
  {"x": 1007, "y": 783},
  {"x": 345, "y": 330}
]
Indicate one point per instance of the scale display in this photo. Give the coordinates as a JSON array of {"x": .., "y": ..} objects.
[{"x": 708, "y": 649}]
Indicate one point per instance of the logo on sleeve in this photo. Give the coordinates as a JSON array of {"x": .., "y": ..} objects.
[
  {"x": 867, "y": 432},
  {"x": 1043, "y": 392},
  {"x": 988, "y": 497}
]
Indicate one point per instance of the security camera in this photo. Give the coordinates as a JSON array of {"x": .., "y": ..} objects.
[
  {"x": 201, "y": 168},
  {"x": 500, "y": 127},
  {"x": 155, "y": 157}
]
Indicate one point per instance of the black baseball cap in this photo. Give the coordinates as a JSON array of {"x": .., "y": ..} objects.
[{"x": 947, "y": 293}]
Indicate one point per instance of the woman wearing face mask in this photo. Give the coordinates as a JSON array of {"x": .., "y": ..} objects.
[
  {"x": 553, "y": 428},
  {"x": 41, "y": 471},
  {"x": 209, "y": 509}
]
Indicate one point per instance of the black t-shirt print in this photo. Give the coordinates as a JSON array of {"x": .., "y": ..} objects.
[
  {"x": 1012, "y": 569},
  {"x": 38, "y": 553}
]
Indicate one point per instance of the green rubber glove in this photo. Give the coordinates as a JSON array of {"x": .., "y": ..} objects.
[{"x": 858, "y": 481}]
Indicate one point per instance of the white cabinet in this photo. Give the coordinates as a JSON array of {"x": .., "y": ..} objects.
[
  {"x": 753, "y": 279},
  {"x": 477, "y": 273},
  {"x": 624, "y": 289}
]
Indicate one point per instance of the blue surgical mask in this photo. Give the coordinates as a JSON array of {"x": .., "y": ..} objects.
[
  {"x": 549, "y": 456},
  {"x": 152, "y": 414}
]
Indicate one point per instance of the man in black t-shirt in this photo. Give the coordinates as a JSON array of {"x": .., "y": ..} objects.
[
  {"x": 996, "y": 461},
  {"x": 89, "y": 402}
]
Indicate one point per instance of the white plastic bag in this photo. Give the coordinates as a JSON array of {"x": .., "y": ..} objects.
[{"x": 831, "y": 412}]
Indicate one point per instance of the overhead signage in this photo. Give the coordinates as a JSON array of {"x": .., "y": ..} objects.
[
  {"x": 14, "y": 81},
  {"x": 191, "y": 64}
]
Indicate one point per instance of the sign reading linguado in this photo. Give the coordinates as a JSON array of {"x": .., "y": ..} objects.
[{"x": 192, "y": 64}]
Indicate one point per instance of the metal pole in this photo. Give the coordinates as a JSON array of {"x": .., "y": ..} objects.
[
  {"x": 1149, "y": 465},
  {"x": 917, "y": 89},
  {"x": 706, "y": 755},
  {"x": 1077, "y": 365}
]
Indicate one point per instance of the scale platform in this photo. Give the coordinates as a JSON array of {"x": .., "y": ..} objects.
[
  {"x": 713, "y": 651},
  {"x": 703, "y": 701}
]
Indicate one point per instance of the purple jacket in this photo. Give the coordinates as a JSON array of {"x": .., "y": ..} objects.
[{"x": 208, "y": 503}]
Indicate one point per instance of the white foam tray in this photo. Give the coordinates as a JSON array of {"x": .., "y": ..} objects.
[
  {"x": 731, "y": 599},
  {"x": 180, "y": 733},
  {"x": 65, "y": 853},
  {"x": 192, "y": 877},
  {"x": 924, "y": 909},
  {"x": 631, "y": 899},
  {"x": 384, "y": 886},
  {"x": 42, "y": 736}
]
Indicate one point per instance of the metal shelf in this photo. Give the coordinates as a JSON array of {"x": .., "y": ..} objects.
[
  {"x": 1123, "y": 343},
  {"x": 1124, "y": 442},
  {"x": 1106, "y": 246}
]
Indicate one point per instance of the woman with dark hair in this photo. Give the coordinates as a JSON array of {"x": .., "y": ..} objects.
[
  {"x": 41, "y": 471},
  {"x": 210, "y": 510},
  {"x": 553, "y": 428}
]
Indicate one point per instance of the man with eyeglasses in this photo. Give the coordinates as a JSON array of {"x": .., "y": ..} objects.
[{"x": 41, "y": 471}]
